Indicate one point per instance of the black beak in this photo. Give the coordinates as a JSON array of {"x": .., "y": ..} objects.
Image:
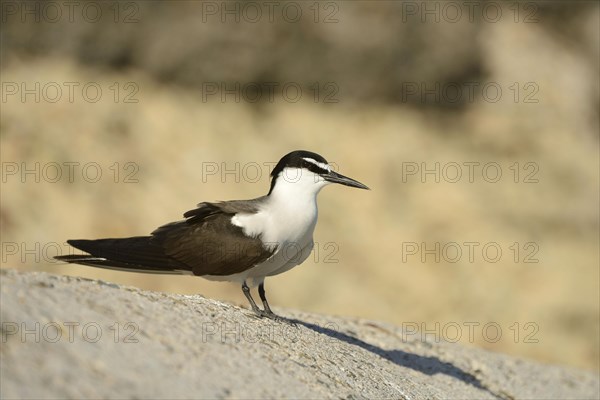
[{"x": 334, "y": 177}]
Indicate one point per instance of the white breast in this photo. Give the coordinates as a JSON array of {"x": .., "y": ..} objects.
[{"x": 285, "y": 222}]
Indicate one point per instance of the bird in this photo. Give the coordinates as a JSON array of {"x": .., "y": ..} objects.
[{"x": 243, "y": 241}]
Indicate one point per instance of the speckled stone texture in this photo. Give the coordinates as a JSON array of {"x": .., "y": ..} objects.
[{"x": 66, "y": 337}]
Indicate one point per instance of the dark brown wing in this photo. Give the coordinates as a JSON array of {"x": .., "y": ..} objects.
[{"x": 209, "y": 243}]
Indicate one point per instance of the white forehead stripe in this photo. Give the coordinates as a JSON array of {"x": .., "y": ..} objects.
[{"x": 318, "y": 164}]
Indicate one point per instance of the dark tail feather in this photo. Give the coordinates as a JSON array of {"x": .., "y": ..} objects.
[{"x": 137, "y": 254}]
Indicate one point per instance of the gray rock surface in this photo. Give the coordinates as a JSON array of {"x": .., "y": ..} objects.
[{"x": 66, "y": 337}]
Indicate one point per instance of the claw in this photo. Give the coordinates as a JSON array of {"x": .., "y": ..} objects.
[{"x": 263, "y": 314}]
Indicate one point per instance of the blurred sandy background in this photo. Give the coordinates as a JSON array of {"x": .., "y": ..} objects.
[{"x": 368, "y": 57}]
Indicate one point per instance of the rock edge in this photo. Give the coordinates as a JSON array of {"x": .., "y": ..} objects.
[{"x": 68, "y": 337}]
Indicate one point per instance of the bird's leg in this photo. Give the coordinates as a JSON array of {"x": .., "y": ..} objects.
[
  {"x": 246, "y": 291},
  {"x": 261, "y": 293},
  {"x": 261, "y": 313}
]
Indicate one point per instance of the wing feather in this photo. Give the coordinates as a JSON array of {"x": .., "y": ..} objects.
[{"x": 209, "y": 243}]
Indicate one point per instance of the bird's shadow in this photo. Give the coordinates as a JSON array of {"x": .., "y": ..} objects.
[{"x": 424, "y": 364}]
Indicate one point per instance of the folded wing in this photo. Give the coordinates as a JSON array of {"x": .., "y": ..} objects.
[{"x": 205, "y": 243}]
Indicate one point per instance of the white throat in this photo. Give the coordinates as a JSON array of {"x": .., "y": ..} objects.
[
  {"x": 286, "y": 221},
  {"x": 293, "y": 201},
  {"x": 289, "y": 214},
  {"x": 297, "y": 185}
]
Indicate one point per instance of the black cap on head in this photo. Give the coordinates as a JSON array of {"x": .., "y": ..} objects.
[
  {"x": 314, "y": 163},
  {"x": 296, "y": 159}
]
